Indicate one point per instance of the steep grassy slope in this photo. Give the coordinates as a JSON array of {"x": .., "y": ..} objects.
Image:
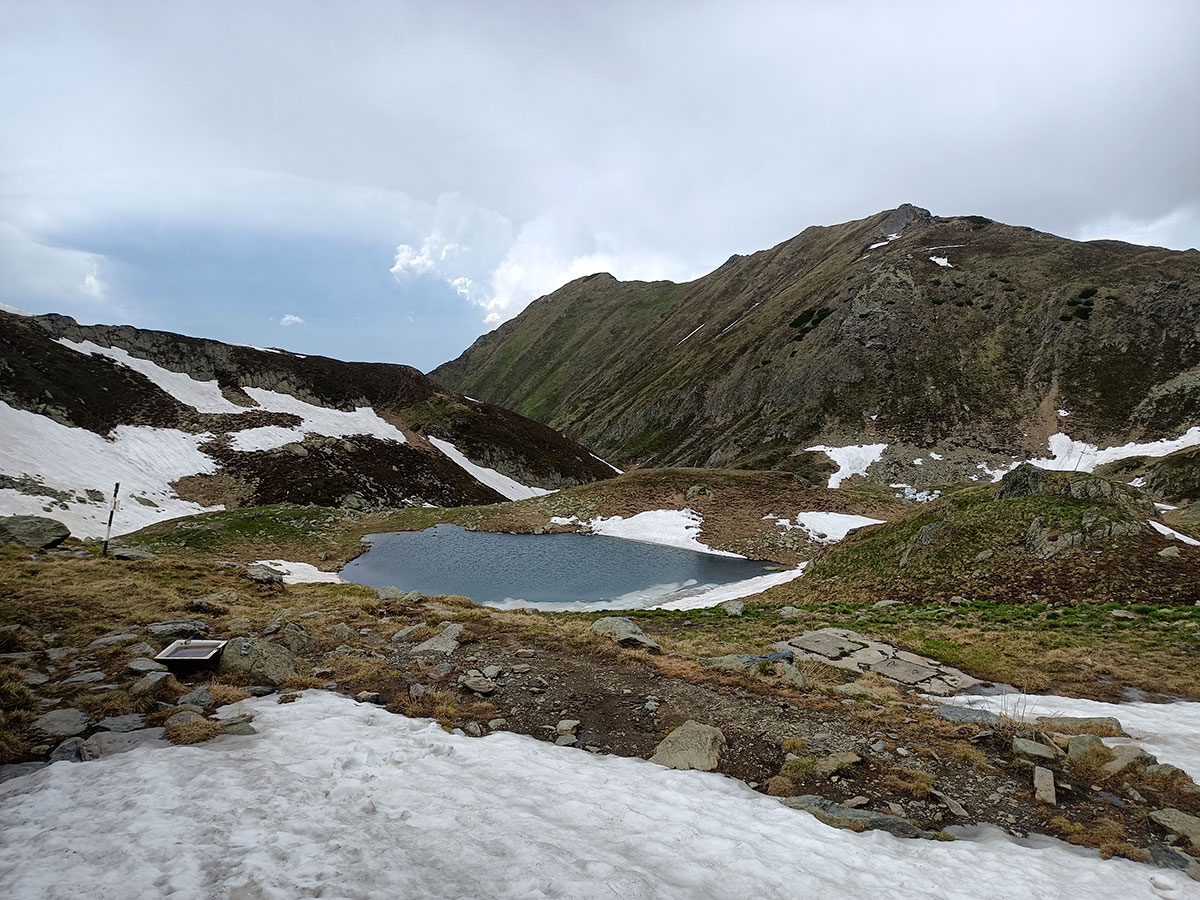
[{"x": 842, "y": 335}]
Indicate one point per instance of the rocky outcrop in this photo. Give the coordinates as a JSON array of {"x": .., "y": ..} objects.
[
  {"x": 33, "y": 531},
  {"x": 625, "y": 632},
  {"x": 691, "y": 746}
]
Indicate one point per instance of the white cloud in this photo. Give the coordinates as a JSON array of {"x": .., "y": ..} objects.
[
  {"x": 1179, "y": 229},
  {"x": 289, "y": 319}
]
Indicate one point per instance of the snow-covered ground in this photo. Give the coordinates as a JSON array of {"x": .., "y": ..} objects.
[
  {"x": 852, "y": 460},
  {"x": 1171, "y": 731},
  {"x": 202, "y": 396},
  {"x": 1067, "y": 454},
  {"x": 317, "y": 420},
  {"x": 1172, "y": 533},
  {"x": 824, "y": 527},
  {"x": 339, "y": 799},
  {"x": 301, "y": 573},
  {"x": 734, "y": 591},
  {"x": 671, "y": 527},
  {"x": 501, "y": 484},
  {"x": 144, "y": 460}
]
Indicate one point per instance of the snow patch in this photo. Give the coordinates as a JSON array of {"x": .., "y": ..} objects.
[
  {"x": 501, "y": 484},
  {"x": 887, "y": 240},
  {"x": 853, "y": 460},
  {"x": 690, "y": 333},
  {"x": 1171, "y": 731},
  {"x": 824, "y": 527},
  {"x": 735, "y": 590},
  {"x": 1172, "y": 533},
  {"x": 301, "y": 573},
  {"x": 316, "y": 420},
  {"x": 1067, "y": 455},
  {"x": 908, "y": 492},
  {"x": 144, "y": 460},
  {"x": 1164, "y": 506},
  {"x": 202, "y": 396},
  {"x": 670, "y": 527},
  {"x": 329, "y": 784},
  {"x": 933, "y": 455},
  {"x": 942, "y": 261},
  {"x": 607, "y": 463},
  {"x": 1063, "y": 413}
]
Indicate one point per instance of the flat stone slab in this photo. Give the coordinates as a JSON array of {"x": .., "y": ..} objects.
[
  {"x": 966, "y": 715},
  {"x": 445, "y": 641},
  {"x": 121, "y": 724},
  {"x": 62, "y": 723},
  {"x": 109, "y": 639},
  {"x": 903, "y": 671},
  {"x": 1025, "y": 747},
  {"x": 1043, "y": 786},
  {"x": 110, "y": 743},
  {"x": 1101, "y": 725},
  {"x": 826, "y": 643},
  {"x": 854, "y": 819},
  {"x": 1178, "y": 822}
]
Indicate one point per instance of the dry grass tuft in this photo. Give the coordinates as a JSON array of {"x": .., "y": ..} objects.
[
  {"x": 798, "y": 768},
  {"x": 971, "y": 755},
  {"x": 781, "y": 786},
  {"x": 194, "y": 732},
  {"x": 15, "y": 718},
  {"x": 288, "y": 698},
  {"x": 298, "y": 683},
  {"x": 796, "y": 745},
  {"x": 911, "y": 782},
  {"x": 224, "y": 694},
  {"x": 1088, "y": 765}
]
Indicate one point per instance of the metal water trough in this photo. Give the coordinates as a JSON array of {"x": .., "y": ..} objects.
[{"x": 188, "y": 655}]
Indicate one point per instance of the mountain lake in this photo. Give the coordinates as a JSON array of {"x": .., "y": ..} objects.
[{"x": 575, "y": 572}]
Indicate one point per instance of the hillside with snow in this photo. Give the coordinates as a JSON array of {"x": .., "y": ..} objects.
[{"x": 187, "y": 425}]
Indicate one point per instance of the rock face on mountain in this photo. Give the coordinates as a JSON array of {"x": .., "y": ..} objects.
[
  {"x": 902, "y": 328},
  {"x": 187, "y": 424}
]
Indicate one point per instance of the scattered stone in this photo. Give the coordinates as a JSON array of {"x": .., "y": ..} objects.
[
  {"x": 277, "y": 621},
  {"x": 473, "y": 729},
  {"x": 491, "y": 672},
  {"x": 33, "y": 531},
  {"x": 522, "y": 668},
  {"x": 1043, "y": 786},
  {"x": 417, "y": 691},
  {"x": 107, "y": 641},
  {"x": 273, "y": 663},
  {"x": 200, "y": 697},
  {"x": 297, "y": 638},
  {"x": 841, "y": 816},
  {"x": 982, "y": 556},
  {"x": 691, "y": 746},
  {"x": 241, "y": 728},
  {"x": 625, "y": 632},
  {"x": 445, "y": 641},
  {"x": 1178, "y": 822},
  {"x": 951, "y": 804},
  {"x": 142, "y": 666},
  {"x": 87, "y": 676},
  {"x": 390, "y": 592},
  {"x": 1163, "y": 769},
  {"x": 62, "y": 723},
  {"x": 835, "y": 762},
  {"x": 261, "y": 690},
  {"x": 793, "y": 676},
  {"x": 33, "y": 678},
  {"x": 1080, "y": 744},
  {"x": 967, "y": 715},
  {"x": 566, "y": 740},
  {"x": 1124, "y": 756},
  {"x": 651, "y": 706},
  {"x": 132, "y": 554},
  {"x": 883, "y": 604},
  {"x": 1026, "y": 747},
  {"x": 856, "y": 690},
  {"x": 149, "y": 682},
  {"x": 567, "y": 726},
  {"x": 1169, "y": 552},
  {"x": 239, "y": 626},
  {"x": 413, "y": 597},
  {"x": 1026, "y": 480},
  {"x": 857, "y": 802},
  {"x": 789, "y": 612},
  {"x": 344, "y": 632},
  {"x": 214, "y": 604},
  {"x": 121, "y": 724},
  {"x": 479, "y": 684},
  {"x": 526, "y": 654},
  {"x": 1122, "y": 614},
  {"x": 367, "y": 696},
  {"x": 264, "y": 574},
  {"x": 179, "y": 628},
  {"x": 110, "y": 743},
  {"x": 70, "y": 750},
  {"x": 313, "y": 614},
  {"x": 733, "y": 608},
  {"x": 54, "y": 654}
]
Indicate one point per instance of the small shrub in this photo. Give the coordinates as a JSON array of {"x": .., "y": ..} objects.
[
  {"x": 780, "y": 786},
  {"x": 795, "y": 745},
  {"x": 799, "y": 768}
]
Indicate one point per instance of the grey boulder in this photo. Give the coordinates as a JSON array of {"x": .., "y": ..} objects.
[
  {"x": 33, "y": 531},
  {"x": 62, "y": 723},
  {"x": 625, "y": 632},
  {"x": 691, "y": 746},
  {"x": 262, "y": 660},
  {"x": 110, "y": 743}
]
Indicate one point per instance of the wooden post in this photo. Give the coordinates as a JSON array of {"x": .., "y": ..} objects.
[{"x": 111, "y": 509}]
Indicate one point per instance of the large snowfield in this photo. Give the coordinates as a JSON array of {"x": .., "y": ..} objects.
[{"x": 342, "y": 800}]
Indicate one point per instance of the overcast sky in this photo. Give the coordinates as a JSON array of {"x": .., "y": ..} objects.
[{"x": 387, "y": 181}]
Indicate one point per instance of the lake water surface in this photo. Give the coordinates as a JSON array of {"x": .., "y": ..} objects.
[{"x": 549, "y": 571}]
